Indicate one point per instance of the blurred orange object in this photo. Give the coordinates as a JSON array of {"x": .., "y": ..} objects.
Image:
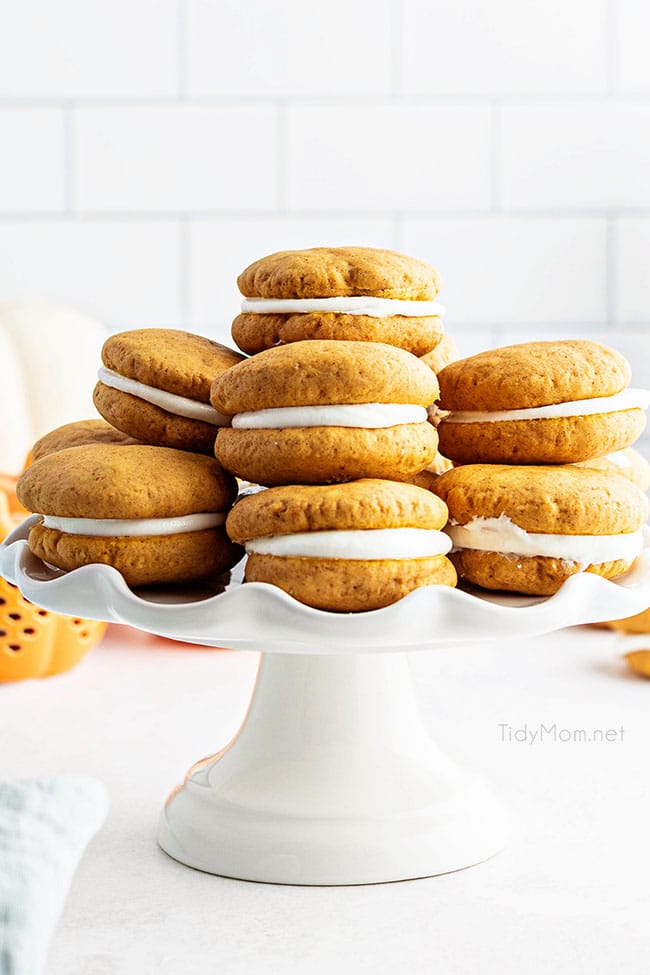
[
  {"x": 37, "y": 643},
  {"x": 632, "y": 624},
  {"x": 33, "y": 641},
  {"x": 639, "y": 662}
]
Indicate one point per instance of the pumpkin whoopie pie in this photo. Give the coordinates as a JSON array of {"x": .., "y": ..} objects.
[
  {"x": 344, "y": 547},
  {"x": 629, "y": 463},
  {"x": 539, "y": 403},
  {"x": 154, "y": 385},
  {"x": 527, "y": 529},
  {"x": 78, "y": 434},
  {"x": 318, "y": 412},
  {"x": 154, "y": 513},
  {"x": 341, "y": 293}
]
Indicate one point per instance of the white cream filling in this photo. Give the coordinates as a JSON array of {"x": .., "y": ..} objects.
[
  {"x": 179, "y": 405},
  {"x": 368, "y": 545},
  {"x": 134, "y": 527},
  {"x": 353, "y": 305},
  {"x": 502, "y": 535},
  {"x": 628, "y": 399},
  {"x": 371, "y": 416}
]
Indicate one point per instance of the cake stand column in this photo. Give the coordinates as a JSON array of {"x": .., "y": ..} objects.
[{"x": 332, "y": 779}]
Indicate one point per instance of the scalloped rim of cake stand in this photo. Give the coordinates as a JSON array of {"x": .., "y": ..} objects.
[{"x": 259, "y": 616}]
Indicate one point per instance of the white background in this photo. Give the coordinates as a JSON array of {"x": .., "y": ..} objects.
[{"x": 150, "y": 149}]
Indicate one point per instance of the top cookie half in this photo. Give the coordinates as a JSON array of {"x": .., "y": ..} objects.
[
  {"x": 328, "y": 272},
  {"x": 533, "y": 374}
]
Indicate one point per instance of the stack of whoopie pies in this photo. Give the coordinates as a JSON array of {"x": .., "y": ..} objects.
[
  {"x": 542, "y": 431},
  {"x": 330, "y": 413},
  {"x": 348, "y": 385},
  {"x": 141, "y": 489}
]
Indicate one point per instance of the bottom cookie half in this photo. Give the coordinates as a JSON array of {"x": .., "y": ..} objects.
[
  {"x": 560, "y": 440},
  {"x": 321, "y": 455},
  {"x": 349, "y": 586},
  {"x": 535, "y": 576},
  {"x": 150, "y": 424},
  {"x": 256, "y": 332},
  {"x": 143, "y": 561}
]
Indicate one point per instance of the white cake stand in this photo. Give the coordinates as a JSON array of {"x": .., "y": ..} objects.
[{"x": 332, "y": 778}]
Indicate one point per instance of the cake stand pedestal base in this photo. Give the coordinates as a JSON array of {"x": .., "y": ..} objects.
[{"x": 332, "y": 779}]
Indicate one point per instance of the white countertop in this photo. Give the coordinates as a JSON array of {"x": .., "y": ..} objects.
[{"x": 569, "y": 895}]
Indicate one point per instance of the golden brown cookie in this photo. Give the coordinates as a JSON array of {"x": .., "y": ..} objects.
[
  {"x": 321, "y": 373},
  {"x": 629, "y": 463},
  {"x": 344, "y": 547},
  {"x": 327, "y": 272},
  {"x": 77, "y": 435},
  {"x": 323, "y": 455},
  {"x": 154, "y": 513},
  {"x": 527, "y": 529},
  {"x": 154, "y": 385},
  {"x": 539, "y": 402},
  {"x": 254, "y": 332},
  {"x": 350, "y": 294},
  {"x": 533, "y": 576},
  {"x": 315, "y": 412}
]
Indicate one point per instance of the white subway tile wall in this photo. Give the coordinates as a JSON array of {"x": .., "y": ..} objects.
[
  {"x": 395, "y": 157},
  {"x": 32, "y": 160},
  {"x": 150, "y": 149},
  {"x": 175, "y": 159},
  {"x": 504, "y": 47},
  {"x": 72, "y": 49},
  {"x": 264, "y": 48}
]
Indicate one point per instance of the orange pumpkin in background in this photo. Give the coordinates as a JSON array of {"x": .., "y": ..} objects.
[{"x": 35, "y": 642}]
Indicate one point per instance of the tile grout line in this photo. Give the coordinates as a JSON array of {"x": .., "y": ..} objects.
[
  {"x": 341, "y": 100},
  {"x": 501, "y": 330},
  {"x": 523, "y": 214},
  {"x": 581, "y": 325}
]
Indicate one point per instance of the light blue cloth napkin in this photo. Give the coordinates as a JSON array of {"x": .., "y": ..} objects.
[{"x": 45, "y": 825}]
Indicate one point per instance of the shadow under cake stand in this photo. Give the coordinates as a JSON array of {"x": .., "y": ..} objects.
[{"x": 332, "y": 778}]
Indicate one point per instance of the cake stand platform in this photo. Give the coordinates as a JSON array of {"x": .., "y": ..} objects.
[{"x": 332, "y": 778}]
